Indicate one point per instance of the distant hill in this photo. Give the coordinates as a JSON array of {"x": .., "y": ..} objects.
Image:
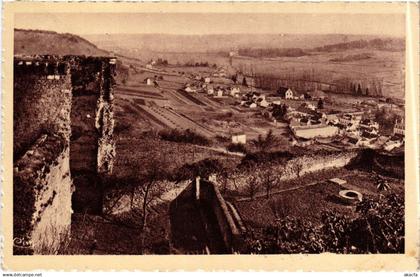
[
  {"x": 377, "y": 44},
  {"x": 37, "y": 42},
  {"x": 221, "y": 42}
]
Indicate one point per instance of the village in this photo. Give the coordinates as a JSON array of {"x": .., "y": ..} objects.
[
  {"x": 302, "y": 118},
  {"x": 215, "y": 152}
]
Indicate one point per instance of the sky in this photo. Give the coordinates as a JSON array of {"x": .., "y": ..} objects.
[{"x": 213, "y": 23}]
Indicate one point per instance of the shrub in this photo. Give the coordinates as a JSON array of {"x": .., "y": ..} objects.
[
  {"x": 377, "y": 228},
  {"x": 203, "y": 168},
  {"x": 237, "y": 147},
  {"x": 185, "y": 136}
]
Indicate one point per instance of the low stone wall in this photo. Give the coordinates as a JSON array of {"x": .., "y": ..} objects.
[
  {"x": 231, "y": 234},
  {"x": 42, "y": 190},
  {"x": 306, "y": 164},
  {"x": 318, "y": 162}
]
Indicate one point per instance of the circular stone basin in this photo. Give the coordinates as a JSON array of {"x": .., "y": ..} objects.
[{"x": 350, "y": 196}]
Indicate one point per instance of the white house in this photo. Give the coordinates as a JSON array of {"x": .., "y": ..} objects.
[
  {"x": 253, "y": 106},
  {"x": 218, "y": 93},
  {"x": 148, "y": 81},
  {"x": 312, "y": 107},
  {"x": 263, "y": 103},
  {"x": 189, "y": 89},
  {"x": 234, "y": 91},
  {"x": 239, "y": 138},
  {"x": 286, "y": 93},
  {"x": 149, "y": 66},
  {"x": 207, "y": 80},
  {"x": 399, "y": 127},
  {"x": 210, "y": 90}
]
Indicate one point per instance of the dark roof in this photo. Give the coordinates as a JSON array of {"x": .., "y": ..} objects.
[{"x": 282, "y": 91}]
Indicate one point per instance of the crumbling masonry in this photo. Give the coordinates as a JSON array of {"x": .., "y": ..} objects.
[{"x": 63, "y": 145}]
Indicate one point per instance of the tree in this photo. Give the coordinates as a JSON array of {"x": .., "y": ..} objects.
[
  {"x": 235, "y": 78},
  {"x": 269, "y": 175},
  {"x": 265, "y": 143},
  {"x": 359, "y": 90},
  {"x": 244, "y": 83},
  {"x": 297, "y": 167},
  {"x": 252, "y": 185},
  {"x": 150, "y": 188},
  {"x": 320, "y": 104}
]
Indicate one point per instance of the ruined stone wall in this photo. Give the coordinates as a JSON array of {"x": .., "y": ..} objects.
[
  {"x": 63, "y": 125},
  {"x": 42, "y": 184},
  {"x": 41, "y": 100},
  {"x": 92, "y": 148},
  {"x": 42, "y": 189}
]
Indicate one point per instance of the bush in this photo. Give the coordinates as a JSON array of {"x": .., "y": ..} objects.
[
  {"x": 377, "y": 228},
  {"x": 237, "y": 147},
  {"x": 185, "y": 136},
  {"x": 203, "y": 168}
]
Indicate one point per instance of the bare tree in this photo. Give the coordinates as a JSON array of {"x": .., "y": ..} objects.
[
  {"x": 269, "y": 175},
  {"x": 252, "y": 185},
  {"x": 148, "y": 189},
  {"x": 297, "y": 167}
]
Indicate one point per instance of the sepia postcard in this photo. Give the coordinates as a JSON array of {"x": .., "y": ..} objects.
[{"x": 210, "y": 136}]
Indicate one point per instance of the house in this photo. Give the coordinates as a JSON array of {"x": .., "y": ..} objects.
[
  {"x": 369, "y": 124},
  {"x": 307, "y": 128},
  {"x": 149, "y": 66},
  {"x": 218, "y": 92},
  {"x": 210, "y": 90},
  {"x": 234, "y": 91},
  {"x": 148, "y": 81},
  {"x": 399, "y": 127},
  {"x": 239, "y": 138},
  {"x": 347, "y": 119},
  {"x": 263, "y": 103},
  {"x": 393, "y": 143},
  {"x": 207, "y": 80},
  {"x": 285, "y": 93},
  {"x": 253, "y": 105},
  {"x": 189, "y": 89},
  {"x": 311, "y": 106}
]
